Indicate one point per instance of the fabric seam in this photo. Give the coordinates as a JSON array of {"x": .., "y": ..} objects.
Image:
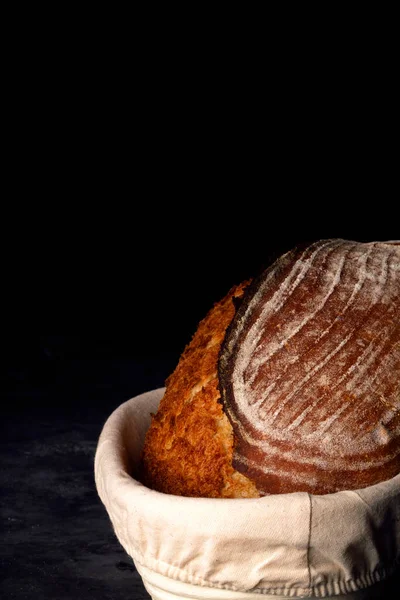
[{"x": 382, "y": 573}]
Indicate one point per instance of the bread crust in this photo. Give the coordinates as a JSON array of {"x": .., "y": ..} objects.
[
  {"x": 189, "y": 446},
  {"x": 310, "y": 370}
]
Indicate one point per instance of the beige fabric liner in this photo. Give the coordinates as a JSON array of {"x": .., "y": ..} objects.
[{"x": 288, "y": 545}]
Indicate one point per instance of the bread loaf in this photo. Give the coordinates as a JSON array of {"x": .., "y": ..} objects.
[{"x": 291, "y": 382}]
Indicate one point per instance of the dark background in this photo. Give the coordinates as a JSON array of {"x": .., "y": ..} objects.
[{"x": 124, "y": 298}]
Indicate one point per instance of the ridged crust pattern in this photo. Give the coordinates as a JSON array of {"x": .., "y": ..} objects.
[{"x": 309, "y": 370}]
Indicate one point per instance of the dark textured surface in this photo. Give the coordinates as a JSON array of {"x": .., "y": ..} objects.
[{"x": 56, "y": 539}]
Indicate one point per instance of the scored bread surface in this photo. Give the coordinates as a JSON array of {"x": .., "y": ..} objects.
[{"x": 310, "y": 370}]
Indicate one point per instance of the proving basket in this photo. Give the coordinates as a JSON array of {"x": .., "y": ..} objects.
[{"x": 344, "y": 545}]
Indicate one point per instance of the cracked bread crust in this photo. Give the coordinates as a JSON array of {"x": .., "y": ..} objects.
[{"x": 188, "y": 448}]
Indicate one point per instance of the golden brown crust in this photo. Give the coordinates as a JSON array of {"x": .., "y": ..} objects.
[{"x": 188, "y": 448}]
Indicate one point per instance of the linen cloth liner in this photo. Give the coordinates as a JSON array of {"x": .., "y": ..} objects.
[{"x": 289, "y": 545}]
